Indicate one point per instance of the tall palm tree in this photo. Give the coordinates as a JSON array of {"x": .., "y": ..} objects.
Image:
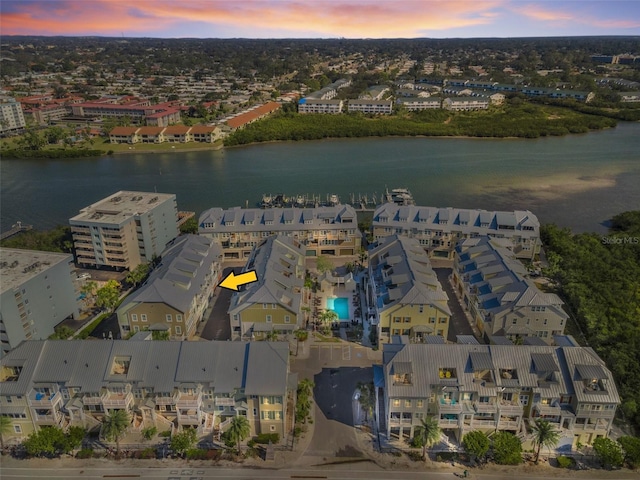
[
  {"x": 544, "y": 435},
  {"x": 114, "y": 425},
  {"x": 429, "y": 432},
  {"x": 6, "y": 426},
  {"x": 239, "y": 429}
]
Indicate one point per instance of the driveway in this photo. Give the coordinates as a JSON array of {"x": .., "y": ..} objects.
[
  {"x": 218, "y": 326},
  {"x": 336, "y": 369},
  {"x": 459, "y": 325}
]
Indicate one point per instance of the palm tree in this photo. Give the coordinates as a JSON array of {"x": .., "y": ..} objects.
[
  {"x": 114, "y": 425},
  {"x": 544, "y": 435},
  {"x": 6, "y": 426},
  {"x": 239, "y": 429},
  {"x": 301, "y": 336},
  {"x": 429, "y": 433}
]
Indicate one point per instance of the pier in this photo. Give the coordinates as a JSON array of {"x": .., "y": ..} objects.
[
  {"x": 15, "y": 229},
  {"x": 360, "y": 202}
]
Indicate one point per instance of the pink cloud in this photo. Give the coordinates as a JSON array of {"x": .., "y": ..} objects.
[
  {"x": 349, "y": 18},
  {"x": 578, "y": 16}
]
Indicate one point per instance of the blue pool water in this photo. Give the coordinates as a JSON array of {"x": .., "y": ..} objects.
[{"x": 340, "y": 305}]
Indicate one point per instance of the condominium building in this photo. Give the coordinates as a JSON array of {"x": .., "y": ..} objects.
[
  {"x": 498, "y": 388},
  {"x": 178, "y": 291},
  {"x": 496, "y": 290},
  {"x": 276, "y": 301},
  {"x": 375, "y": 107},
  {"x": 419, "y": 103},
  {"x": 322, "y": 230},
  {"x": 439, "y": 229},
  {"x": 465, "y": 103},
  {"x": 11, "y": 116},
  {"x": 124, "y": 229},
  {"x": 313, "y": 105},
  {"x": 404, "y": 294},
  {"x": 166, "y": 385},
  {"x": 37, "y": 292}
]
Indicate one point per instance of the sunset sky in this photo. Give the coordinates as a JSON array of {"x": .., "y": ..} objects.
[{"x": 319, "y": 18}]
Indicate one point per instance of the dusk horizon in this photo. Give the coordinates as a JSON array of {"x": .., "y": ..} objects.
[{"x": 329, "y": 19}]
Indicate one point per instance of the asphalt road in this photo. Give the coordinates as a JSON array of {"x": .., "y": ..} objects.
[
  {"x": 338, "y": 472},
  {"x": 458, "y": 325},
  {"x": 218, "y": 326}
]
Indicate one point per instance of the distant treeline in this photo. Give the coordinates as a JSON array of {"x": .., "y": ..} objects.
[
  {"x": 599, "y": 278},
  {"x": 517, "y": 119},
  {"x": 51, "y": 153},
  {"x": 58, "y": 239}
]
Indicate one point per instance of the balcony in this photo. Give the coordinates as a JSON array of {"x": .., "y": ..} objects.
[
  {"x": 53, "y": 417},
  {"x": 510, "y": 408},
  {"x": 446, "y": 405},
  {"x": 483, "y": 423},
  {"x": 548, "y": 410},
  {"x": 44, "y": 400},
  {"x": 184, "y": 400},
  {"x": 448, "y": 422},
  {"x": 117, "y": 400},
  {"x": 508, "y": 425},
  {"x": 191, "y": 418},
  {"x": 482, "y": 407},
  {"x": 92, "y": 400},
  {"x": 224, "y": 402},
  {"x": 170, "y": 400}
]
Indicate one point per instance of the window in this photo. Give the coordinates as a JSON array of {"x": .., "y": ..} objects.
[
  {"x": 396, "y": 402},
  {"x": 255, "y": 412},
  {"x": 406, "y": 319},
  {"x": 17, "y": 428},
  {"x": 432, "y": 319},
  {"x": 178, "y": 317},
  {"x": 136, "y": 329},
  {"x": 178, "y": 330},
  {"x": 407, "y": 403},
  {"x": 169, "y": 318},
  {"x": 419, "y": 403},
  {"x": 524, "y": 400},
  {"x": 273, "y": 305},
  {"x": 442, "y": 320},
  {"x": 396, "y": 320},
  {"x": 143, "y": 317},
  {"x": 287, "y": 319},
  {"x": 396, "y": 331},
  {"x": 134, "y": 317},
  {"x": 264, "y": 305},
  {"x": 269, "y": 318}
]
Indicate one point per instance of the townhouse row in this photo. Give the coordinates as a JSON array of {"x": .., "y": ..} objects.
[
  {"x": 385, "y": 107},
  {"x": 496, "y": 388},
  {"x": 167, "y": 385},
  {"x": 172, "y": 134}
]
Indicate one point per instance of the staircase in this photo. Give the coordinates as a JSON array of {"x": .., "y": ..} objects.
[
  {"x": 207, "y": 426},
  {"x": 382, "y": 416}
]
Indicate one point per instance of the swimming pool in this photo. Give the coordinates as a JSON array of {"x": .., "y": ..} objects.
[{"x": 340, "y": 305}]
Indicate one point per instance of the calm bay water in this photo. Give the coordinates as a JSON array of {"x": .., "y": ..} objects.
[{"x": 578, "y": 181}]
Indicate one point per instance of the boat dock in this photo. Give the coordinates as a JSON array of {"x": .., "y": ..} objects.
[
  {"x": 15, "y": 229},
  {"x": 360, "y": 202}
]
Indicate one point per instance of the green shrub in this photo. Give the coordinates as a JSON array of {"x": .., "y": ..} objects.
[
  {"x": 565, "y": 462},
  {"x": 165, "y": 434},
  {"x": 265, "y": 438},
  {"x": 146, "y": 453},
  {"x": 416, "y": 442},
  {"x": 196, "y": 454},
  {"x": 415, "y": 456},
  {"x": 251, "y": 443},
  {"x": 85, "y": 453}
]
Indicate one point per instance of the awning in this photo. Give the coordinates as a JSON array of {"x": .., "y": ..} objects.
[
  {"x": 591, "y": 372},
  {"x": 401, "y": 368},
  {"x": 378, "y": 376},
  {"x": 544, "y": 362},
  {"x": 481, "y": 361}
]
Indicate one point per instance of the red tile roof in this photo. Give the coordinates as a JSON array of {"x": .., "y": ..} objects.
[
  {"x": 123, "y": 131},
  {"x": 254, "y": 114},
  {"x": 202, "y": 129},
  {"x": 176, "y": 130}
]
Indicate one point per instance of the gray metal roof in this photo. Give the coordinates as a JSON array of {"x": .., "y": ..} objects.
[
  {"x": 185, "y": 264},
  {"x": 591, "y": 372},
  {"x": 481, "y": 361},
  {"x": 413, "y": 281},
  {"x": 261, "y": 368},
  {"x": 544, "y": 362}
]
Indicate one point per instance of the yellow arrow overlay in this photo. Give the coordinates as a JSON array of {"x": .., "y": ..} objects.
[{"x": 233, "y": 281}]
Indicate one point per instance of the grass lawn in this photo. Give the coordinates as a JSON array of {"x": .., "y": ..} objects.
[{"x": 322, "y": 338}]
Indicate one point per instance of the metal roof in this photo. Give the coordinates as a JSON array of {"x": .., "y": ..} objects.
[
  {"x": 591, "y": 372},
  {"x": 481, "y": 361}
]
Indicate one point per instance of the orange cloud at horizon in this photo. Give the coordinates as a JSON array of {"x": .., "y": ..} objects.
[{"x": 347, "y": 18}]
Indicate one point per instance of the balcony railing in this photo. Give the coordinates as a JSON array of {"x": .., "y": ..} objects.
[
  {"x": 89, "y": 400},
  {"x": 448, "y": 422},
  {"x": 485, "y": 407},
  {"x": 48, "y": 400},
  {"x": 510, "y": 407},
  {"x": 117, "y": 400},
  {"x": 225, "y": 402},
  {"x": 479, "y": 423},
  {"x": 508, "y": 424},
  {"x": 188, "y": 400},
  {"x": 164, "y": 400},
  {"x": 449, "y": 406},
  {"x": 188, "y": 419},
  {"x": 48, "y": 419}
]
